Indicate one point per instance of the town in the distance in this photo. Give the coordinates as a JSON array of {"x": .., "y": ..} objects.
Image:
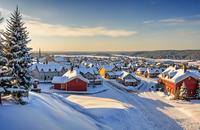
[{"x": 94, "y": 90}]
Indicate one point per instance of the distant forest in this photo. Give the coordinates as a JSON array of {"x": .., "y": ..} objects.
[
  {"x": 167, "y": 54},
  {"x": 159, "y": 54}
]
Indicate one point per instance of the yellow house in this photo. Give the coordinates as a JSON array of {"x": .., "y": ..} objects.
[{"x": 103, "y": 70}]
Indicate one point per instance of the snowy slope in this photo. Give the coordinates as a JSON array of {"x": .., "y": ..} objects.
[
  {"x": 122, "y": 111},
  {"x": 126, "y": 111},
  {"x": 112, "y": 109},
  {"x": 45, "y": 112}
]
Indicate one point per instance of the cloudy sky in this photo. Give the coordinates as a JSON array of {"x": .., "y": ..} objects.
[{"x": 109, "y": 25}]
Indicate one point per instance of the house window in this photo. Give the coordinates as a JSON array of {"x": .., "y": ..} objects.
[{"x": 62, "y": 86}]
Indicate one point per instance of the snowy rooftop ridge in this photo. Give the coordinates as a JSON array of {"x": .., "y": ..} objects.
[
  {"x": 124, "y": 74},
  {"x": 176, "y": 75},
  {"x": 142, "y": 69},
  {"x": 154, "y": 70},
  {"x": 47, "y": 67},
  {"x": 85, "y": 70},
  {"x": 68, "y": 76},
  {"x": 108, "y": 67}
]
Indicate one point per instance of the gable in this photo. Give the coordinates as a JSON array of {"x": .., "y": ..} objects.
[
  {"x": 76, "y": 80},
  {"x": 88, "y": 75},
  {"x": 129, "y": 76}
]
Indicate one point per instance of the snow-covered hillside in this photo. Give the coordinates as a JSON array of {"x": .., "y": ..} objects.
[
  {"x": 45, "y": 112},
  {"x": 121, "y": 110},
  {"x": 111, "y": 109}
]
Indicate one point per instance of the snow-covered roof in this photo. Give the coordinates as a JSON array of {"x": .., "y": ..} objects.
[
  {"x": 68, "y": 76},
  {"x": 47, "y": 67},
  {"x": 154, "y": 70},
  {"x": 85, "y": 70},
  {"x": 118, "y": 72},
  {"x": 176, "y": 75},
  {"x": 59, "y": 79},
  {"x": 141, "y": 69},
  {"x": 108, "y": 67},
  {"x": 124, "y": 74},
  {"x": 1, "y": 90},
  {"x": 114, "y": 73},
  {"x": 130, "y": 80},
  {"x": 111, "y": 73},
  {"x": 72, "y": 73},
  {"x": 59, "y": 59}
]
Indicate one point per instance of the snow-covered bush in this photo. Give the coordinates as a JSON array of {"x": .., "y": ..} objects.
[{"x": 183, "y": 92}]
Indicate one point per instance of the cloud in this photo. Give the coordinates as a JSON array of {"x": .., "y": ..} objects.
[
  {"x": 38, "y": 28},
  {"x": 193, "y": 19},
  {"x": 188, "y": 33},
  {"x": 173, "y": 21},
  {"x": 4, "y": 12},
  {"x": 45, "y": 29},
  {"x": 149, "y": 22}
]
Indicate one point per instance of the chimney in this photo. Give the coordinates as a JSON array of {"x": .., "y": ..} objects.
[
  {"x": 175, "y": 66},
  {"x": 184, "y": 68},
  {"x": 72, "y": 68},
  {"x": 46, "y": 61}
]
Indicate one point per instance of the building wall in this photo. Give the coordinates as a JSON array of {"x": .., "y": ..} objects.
[
  {"x": 102, "y": 72},
  {"x": 191, "y": 84},
  {"x": 46, "y": 75},
  {"x": 57, "y": 86},
  {"x": 77, "y": 85},
  {"x": 168, "y": 86}
]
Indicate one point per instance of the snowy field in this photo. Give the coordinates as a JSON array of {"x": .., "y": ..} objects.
[{"x": 112, "y": 109}]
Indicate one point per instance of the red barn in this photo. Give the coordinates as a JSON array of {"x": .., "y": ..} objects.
[
  {"x": 70, "y": 81},
  {"x": 173, "y": 79}
]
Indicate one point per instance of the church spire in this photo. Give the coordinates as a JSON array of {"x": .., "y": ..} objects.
[{"x": 39, "y": 53}]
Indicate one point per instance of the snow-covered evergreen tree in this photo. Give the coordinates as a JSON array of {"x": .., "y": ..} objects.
[
  {"x": 5, "y": 72},
  {"x": 183, "y": 92},
  {"x": 17, "y": 52}
]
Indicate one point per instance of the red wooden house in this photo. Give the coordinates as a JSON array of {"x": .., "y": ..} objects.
[
  {"x": 173, "y": 79},
  {"x": 70, "y": 81}
]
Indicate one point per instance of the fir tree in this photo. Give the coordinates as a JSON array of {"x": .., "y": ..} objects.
[
  {"x": 17, "y": 52},
  {"x": 5, "y": 75}
]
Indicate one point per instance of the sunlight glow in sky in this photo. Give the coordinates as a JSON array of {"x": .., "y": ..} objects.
[{"x": 109, "y": 25}]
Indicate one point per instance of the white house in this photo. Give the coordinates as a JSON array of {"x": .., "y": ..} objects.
[
  {"x": 128, "y": 79},
  {"x": 46, "y": 72}
]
